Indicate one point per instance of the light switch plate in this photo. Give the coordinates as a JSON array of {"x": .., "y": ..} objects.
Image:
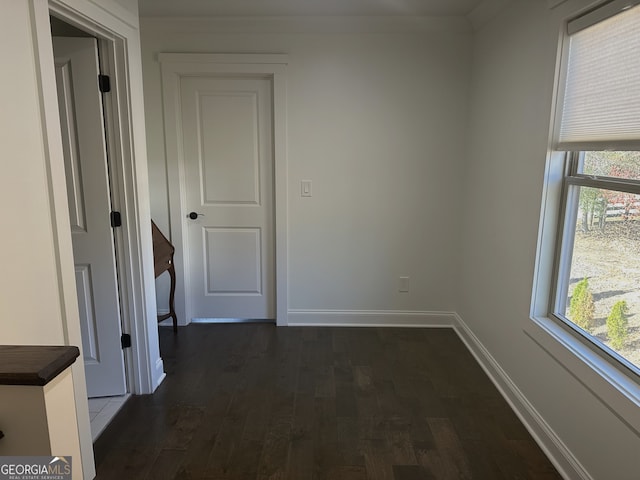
[{"x": 305, "y": 188}]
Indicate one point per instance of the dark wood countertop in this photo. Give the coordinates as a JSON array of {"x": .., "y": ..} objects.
[{"x": 34, "y": 365}]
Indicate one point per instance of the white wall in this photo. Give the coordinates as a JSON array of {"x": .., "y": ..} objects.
[
  {"x": 35, "y": 303},
  {"x": 377, "y": 122},
  {"x": 130, "y": 5},
  {"x": 31, "y": 311},
  {"x": 513, "y": 77}
]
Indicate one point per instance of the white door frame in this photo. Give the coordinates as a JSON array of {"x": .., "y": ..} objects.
[
  {"x": 130, "y": 238},
  {"x": 176, "y": 65}
]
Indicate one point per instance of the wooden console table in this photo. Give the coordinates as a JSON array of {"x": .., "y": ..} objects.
[{"x": 163, "y": 262}]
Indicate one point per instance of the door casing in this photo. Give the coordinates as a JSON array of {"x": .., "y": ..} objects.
[
  {"x": 173, "y": 67},
  {"x": 144, "y": 372}
]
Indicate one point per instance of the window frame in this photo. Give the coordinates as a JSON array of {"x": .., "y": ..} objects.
[
  {"x": 583, "y": 363},
  {"x": 564, "y": 246}
]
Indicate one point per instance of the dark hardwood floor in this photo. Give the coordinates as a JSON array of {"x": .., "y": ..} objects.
[{"x": 252, "y": 401}]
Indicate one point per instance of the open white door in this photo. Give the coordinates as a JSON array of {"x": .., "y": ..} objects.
[{"x": 83, "y": 138}]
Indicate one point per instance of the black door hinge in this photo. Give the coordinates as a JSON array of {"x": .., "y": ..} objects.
[
  {"x": 116, "y": 219},
  {"x": 104, "y": 83},
  {"x": 125, "y": 340}
]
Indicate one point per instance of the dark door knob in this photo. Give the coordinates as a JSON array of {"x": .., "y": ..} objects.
[{"x": 194, "y": 215}]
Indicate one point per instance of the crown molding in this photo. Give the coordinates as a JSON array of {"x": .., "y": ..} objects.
[{"x": 306, "y": 24}]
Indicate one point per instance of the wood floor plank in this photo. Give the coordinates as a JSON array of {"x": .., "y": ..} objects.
[
  {"x": 226, "y": 442},
  {"x": 325, "y": 382},
  {"x": 448, "y": 444},
  {"x": 134, "y": 462},
  {"x": 428, "y": 457},
  {"x": 411, "y": 472},
  {"x": 300, "y": 462},
  {"x": 378, "y": 462},
  {"x": 482, "y": 463},
  {"x": 166, "y": 465},
  {"x": 348, "y": 472},
  {"x": 204, "y": 438},
  {"x": 256, "y": 402},
  {"x": 400, "y": 443},
  {"x": 273, "y": 459},
  {"x": 187, "y": 420},
  {"x": 349, "y": 442}
]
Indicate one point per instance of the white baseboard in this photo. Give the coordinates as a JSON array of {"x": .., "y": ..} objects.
[
  {"x": 168, "y": 322},
  {"x": 565, "y": 462},
  {"x": 159, "y": 375},
  {"x": 370, "y": 318}
]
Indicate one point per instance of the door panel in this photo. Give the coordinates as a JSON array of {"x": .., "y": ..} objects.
[
  {"x": 75, "y": 195},
  {"x": 228, "y": 159},
  {"x": 228, "y": 122},
  {"x": 86, "y": 307},
  {"x": 233, "y": 261},
  {"x": 86, "y": 170}
]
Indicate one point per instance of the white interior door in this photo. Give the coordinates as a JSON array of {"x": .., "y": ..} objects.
[
  {"x": 227, "y": 133},
  {"x": 83, "y": 138}
]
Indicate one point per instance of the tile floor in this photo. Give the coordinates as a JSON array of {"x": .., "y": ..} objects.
[{"x": 102, "y": 410}]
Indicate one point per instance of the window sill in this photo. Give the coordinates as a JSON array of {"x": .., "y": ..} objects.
[{"x": 614, "y": 388}]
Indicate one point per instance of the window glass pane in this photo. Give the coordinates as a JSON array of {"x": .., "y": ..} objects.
[
  {"x": 612, "y": 164},
  {"x": 603, "y": 296}
]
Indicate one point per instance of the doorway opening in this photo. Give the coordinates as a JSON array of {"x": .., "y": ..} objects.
[{"x": 81, "y": 84}]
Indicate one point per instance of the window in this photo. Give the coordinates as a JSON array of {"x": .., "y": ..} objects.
[{"x": 597, "y": 286}]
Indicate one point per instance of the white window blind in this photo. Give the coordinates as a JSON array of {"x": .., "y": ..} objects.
[{"x": 601, "y": 105}]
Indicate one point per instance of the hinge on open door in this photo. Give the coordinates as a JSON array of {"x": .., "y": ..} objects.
[
  {"x": 104, "y": 83},
  {"x": 125, "y": 340},
  {"x": 116, "y": 219}
]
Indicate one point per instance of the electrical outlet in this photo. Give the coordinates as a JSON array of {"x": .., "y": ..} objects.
[{"x": 403, "y": 285}]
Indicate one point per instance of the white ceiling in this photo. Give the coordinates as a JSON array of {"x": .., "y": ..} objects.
[{"x": 197, "y": 8}]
